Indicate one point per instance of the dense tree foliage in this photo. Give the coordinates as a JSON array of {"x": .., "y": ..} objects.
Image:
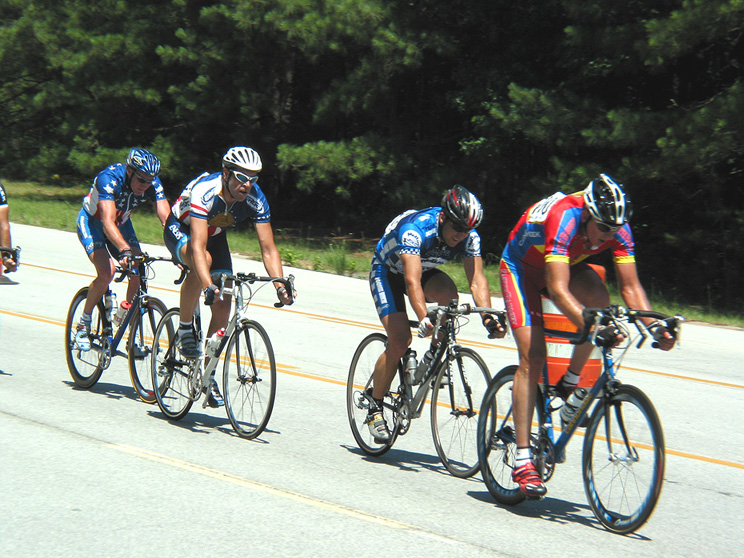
[{"x": 363, "y": 108}]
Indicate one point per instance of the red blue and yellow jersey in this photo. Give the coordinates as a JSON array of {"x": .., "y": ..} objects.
[{"x": 550, "y": 230}]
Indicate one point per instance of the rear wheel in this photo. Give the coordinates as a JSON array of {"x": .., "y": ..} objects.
[
  {"x": 455, "y": 402},
  {"x": 249, "y": 379},
  {"x": 139, "y": 347},
  {"x": 623, "y": 460},
  {"x": 85, "y": 367},
  {"x": 497, "y": 443},
  {"x": 170, "y": 372},
  {"x": 359, "y": 393}
]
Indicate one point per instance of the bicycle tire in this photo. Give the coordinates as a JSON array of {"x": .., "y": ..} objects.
[
  {"x": 497, "y": 444},
  {"x": 623, "y": 460},
  {"x": 139, "y": 347},
  {"x": 454, "y": 411},
  {"x": 249, "y": 379},
  {"x": 85, "y": 367},
  {"x": 171, "y": 374},
  {"x": 360, "y": 381}
]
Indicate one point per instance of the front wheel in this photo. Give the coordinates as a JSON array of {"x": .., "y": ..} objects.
[
  {"x": 85, "y": 367},
  {"x": 359, "y": 393},
  {"x": 171, "y": 374},
  {"x": 139, "y": 347},
  {"x": 623, "y": 460},
  {"x": 249, "y": 379},
  {"x": 455, "y": 401}
]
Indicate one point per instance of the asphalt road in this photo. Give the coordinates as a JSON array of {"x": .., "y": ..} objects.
[{"x": 98, "y": 473}]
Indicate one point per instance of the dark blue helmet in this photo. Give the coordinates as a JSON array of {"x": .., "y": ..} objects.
[{"x": 143, "y": 160}]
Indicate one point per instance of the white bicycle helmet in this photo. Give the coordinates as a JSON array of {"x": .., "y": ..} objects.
[
  {"x": 607, "y": 202},
  {"x": 242, "y": 158},
  {"x": 462, "y": 207}
]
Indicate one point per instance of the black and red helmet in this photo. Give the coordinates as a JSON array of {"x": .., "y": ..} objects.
[{"x": 462, "y": 207}]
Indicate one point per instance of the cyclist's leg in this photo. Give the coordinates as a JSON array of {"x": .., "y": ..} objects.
[
  {"x": 589, "y": 289},
  {"x": 387, "y": 292},
  {"x": 522, "y": 301}
]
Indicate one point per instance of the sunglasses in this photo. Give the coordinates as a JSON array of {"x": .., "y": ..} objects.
[
  {"x": 143, "y": 180},
  {"x": 459, "y": 228},
  {"x": 244, "y": 178},
  {"x": 603, "y": 228}
]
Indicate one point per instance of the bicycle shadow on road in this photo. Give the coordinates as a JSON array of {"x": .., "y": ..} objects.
[
  {"x": 550, "y": 509},
  {"x": 112, "y": 391},
  {"x": 202, "y": 423},
  {"x": 403, "y": 460}
]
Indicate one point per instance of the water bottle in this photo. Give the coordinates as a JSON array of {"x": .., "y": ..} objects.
[
  {"x": 109, "y": 302},
  {"x": 410, "y": 360},
  {"x": 572, "y": 405},
  {"x": 214, "y": 342},
  {"x": 423, "y": 367},
  {"x": 121, "y": 312}
]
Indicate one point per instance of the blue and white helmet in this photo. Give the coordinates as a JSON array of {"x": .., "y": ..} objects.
[
  {"x": 143, "y": 160},
  {"x": 242, "y": 158},
  {"x": 607, "y": 202}
]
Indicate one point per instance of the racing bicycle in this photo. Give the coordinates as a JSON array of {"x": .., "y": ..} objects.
[
  {"x": 623, "y": 453},
  {"x": 455, "y": 381},
  {"x": 141, "y": 319},
  {"x": 249, "y": 366}
]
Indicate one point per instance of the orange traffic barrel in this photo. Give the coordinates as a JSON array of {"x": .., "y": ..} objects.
[{"x": 560, "y": 350}]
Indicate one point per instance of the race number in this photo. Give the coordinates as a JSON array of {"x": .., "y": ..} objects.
[{"x": 540, "y": 210}]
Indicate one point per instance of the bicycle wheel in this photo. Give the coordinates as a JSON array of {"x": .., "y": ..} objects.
[
  {"x": 139, "y": 347},
  {"x": 454, "y": 411},
  {"x": 623, "y": 460},
  {"x": 170, "y": 373},
  {"x": 359, "y": 387},
  {"x": 85, "y": 367},
  {"x": 497, "y": 443},
  {"x": 249, "y": 379}
]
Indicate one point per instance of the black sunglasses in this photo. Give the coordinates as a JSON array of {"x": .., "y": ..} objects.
[
  {"x": 604, "y": 228},
  {"x": 459, "y": 228},
  {"x": 244, "y": 178}
]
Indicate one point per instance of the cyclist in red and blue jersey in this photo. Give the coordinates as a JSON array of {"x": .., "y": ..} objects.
[
  {"x": 105, "y": 229},
  {"x": 545, "y": 254},
  {"x": 196, "y": 236},
  {"x": 8, "y": 263},
  {"x": 405, "y": 262}
]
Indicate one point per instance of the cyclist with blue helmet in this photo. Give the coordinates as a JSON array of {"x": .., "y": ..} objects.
[
  {"x": 105, "y": 229},
  {"x": 405, "y": 263}
]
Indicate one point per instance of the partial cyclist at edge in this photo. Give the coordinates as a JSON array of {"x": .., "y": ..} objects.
[
  {"x": 405, "y": 262},
  {"x": 105, "y": 229},
  {"x": 196, "y": 236},
  {"x": 545, "y": 254},
  {"x": 8, "y": 264}
]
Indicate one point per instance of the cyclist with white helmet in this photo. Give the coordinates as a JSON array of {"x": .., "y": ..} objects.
[
  {"x": 195, "y": 234},
  {"x": 545, "y": 254},
  {"x": 405, "y": 262},
  {"x": 105, "y": 229}
]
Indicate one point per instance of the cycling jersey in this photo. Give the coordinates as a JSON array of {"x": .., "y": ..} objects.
[
  {"x": 202, "y": 199},
  {"x": 549, "y": 231},
  {"x": 3, "y": 196},
  {"x": 416, "y": 232},
  {"x": 111, "y": 184}
]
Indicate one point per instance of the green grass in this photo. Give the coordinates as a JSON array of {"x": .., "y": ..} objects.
[{"x": 56, "y": 207}]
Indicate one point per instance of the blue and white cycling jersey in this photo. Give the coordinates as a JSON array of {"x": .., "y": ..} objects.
[
  {"x": 110, "y": 184},
  {"x": 3, "y": 197},
  {"x": 416, "y": 232},
  {"x": 202, "y": 199}
]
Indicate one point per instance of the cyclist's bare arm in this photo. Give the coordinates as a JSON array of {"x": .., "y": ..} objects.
[
  {"x": 412, "y": 272},
  {"x": 558, "y": 277}
]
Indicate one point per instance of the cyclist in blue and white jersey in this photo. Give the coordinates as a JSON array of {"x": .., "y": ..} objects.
[
  {"x": 196, "y": 236},
  {"x": 8, "y": 264},
  {"x": 105, "y": 229},
  {"x": 405, "y": 262}
]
